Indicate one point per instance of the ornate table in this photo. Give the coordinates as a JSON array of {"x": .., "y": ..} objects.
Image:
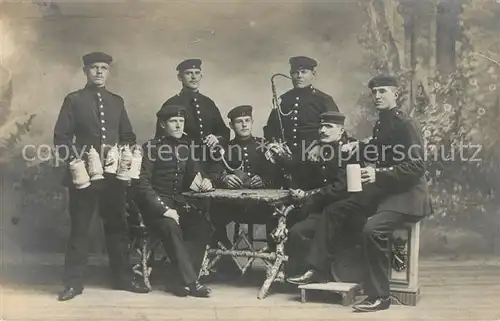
[{"x": 280, "y": 201}]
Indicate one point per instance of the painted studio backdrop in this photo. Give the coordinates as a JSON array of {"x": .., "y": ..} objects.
[{"x": 446, "y": 53}]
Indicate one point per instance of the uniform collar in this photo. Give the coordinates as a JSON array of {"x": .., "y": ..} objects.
[
  {"x": 305, "y": 90},
  {"x": 243, "y": 142},
  {"x": 95, "y": 89},
  {"x": 189, "y": 93},
  {"x": 386, "y": 114},
  {"x": 171, "y": 140}
]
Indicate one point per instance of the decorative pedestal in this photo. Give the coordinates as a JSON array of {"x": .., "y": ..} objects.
[
  {"x": 347, "y": 271},
  {"x": 403, "y": 274}
]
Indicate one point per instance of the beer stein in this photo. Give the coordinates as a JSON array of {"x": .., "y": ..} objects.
[
  {"x": 124, "y": 164},
  {"x": 135, "y": 167},
  {"x": 79, "y": 174},
  {"x": 95, "y": 165},
  {"x": 111, "y": 163}
]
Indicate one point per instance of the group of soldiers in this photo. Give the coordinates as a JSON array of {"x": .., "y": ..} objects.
[{"x": 292, "y": 155}]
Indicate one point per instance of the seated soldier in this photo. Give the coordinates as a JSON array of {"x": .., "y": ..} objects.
[
  {"x": 246, "y": 166},
  {"x": 330, "y": 169},
  {"x": 168, "y": 169}
]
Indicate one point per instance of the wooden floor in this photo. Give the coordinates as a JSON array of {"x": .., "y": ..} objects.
[{"x": 451, "y": 290}]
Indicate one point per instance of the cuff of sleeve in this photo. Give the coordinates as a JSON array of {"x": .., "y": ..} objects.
[
  {"x": 165, "y": 207},
  {"x": 381, "y": 173},
  {"x": 384, "y": 169}
]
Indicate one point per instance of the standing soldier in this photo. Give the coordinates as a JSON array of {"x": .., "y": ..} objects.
[
  {"x": 95, "y": 117},
  {"x": 168, "y": 168},
  {"x": 400, "y": 174},
  {"x": 204, "y": 125},
  {"x": 300, "y": 111}
]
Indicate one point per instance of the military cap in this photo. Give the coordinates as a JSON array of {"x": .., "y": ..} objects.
[
  {"x": 189, "y": 64},
  {"x": 332, "y": 117},
  {"x": 382, "y": 80},
  {"x": 302, "y": 62},
  {"x": 168, "y": 111},
  {"x": 93, "y": 57},
  {"x": 240, "y": 111}
]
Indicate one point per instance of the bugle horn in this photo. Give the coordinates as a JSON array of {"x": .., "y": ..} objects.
[{"x": 276, "y": 107}]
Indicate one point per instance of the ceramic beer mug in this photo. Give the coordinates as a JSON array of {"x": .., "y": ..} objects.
[
  {"x": 95, "y": 165},
  {"x": 124, "y": 164},
  {"x": 111, "y": 162},
  {"x": 79, "y": 174},
  {"x": 354, "y": 178},
  {"x": 135, "y": 166}
]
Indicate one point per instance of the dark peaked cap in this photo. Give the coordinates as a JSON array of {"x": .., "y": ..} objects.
[
  {"x": 93, "y": 57},
  {"x": 382, "y": 80},
  {"x": 332, "y": 117},
  {"x": 168, "y": 111},
  {"x": 189, "y": 64},
  {"x": 240, "y": 111},
  {"x": 302, "y": 62}
]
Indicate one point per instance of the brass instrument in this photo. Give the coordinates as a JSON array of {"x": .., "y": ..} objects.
[
  {"x": 280, "y": 147},
  {"x": 276, "y": 107}
]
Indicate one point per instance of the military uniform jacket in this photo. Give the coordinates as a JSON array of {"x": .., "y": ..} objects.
[
  {"x": 202, "y": 118},
  {"x": 328, "y": 178},
  {"x": 400, "y": 163},
  {"x": 167, "y": 170},
  {"x": 91, "y": 117},
  {"x": 94, "y": 117},
  {"x": 301, "y": 108},
  {"x": 248, "y": 156}
]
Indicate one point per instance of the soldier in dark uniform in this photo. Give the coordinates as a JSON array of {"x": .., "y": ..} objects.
[
  {"x": 168, "y": 168},
  {"x": 300, "y": 109},
  {"x": 329, "y": 175},
  {"x": 246, "y": 166},
  {"x": 95, "y": 117},
  {"x": 204, "y": 125},
  {"x": 400, "y": 174}
]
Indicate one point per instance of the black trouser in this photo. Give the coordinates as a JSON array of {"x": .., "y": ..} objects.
[
  {"x": 338, "y": 220},
  {"x": 300, "y": 237},
  {"x": 108, "y": 196},
  {"x": 173, "y": 242},
  {"x": 376, "y": 232},
  {"x": 311, "y": 241}
]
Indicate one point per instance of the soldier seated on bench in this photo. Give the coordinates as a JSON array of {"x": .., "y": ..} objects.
[
  {"x": 309, "y": 239},
  {"x": 246, "y": 166},
  {"x": 400, "y": 174},
  {"x": 168, "y": 168}
]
